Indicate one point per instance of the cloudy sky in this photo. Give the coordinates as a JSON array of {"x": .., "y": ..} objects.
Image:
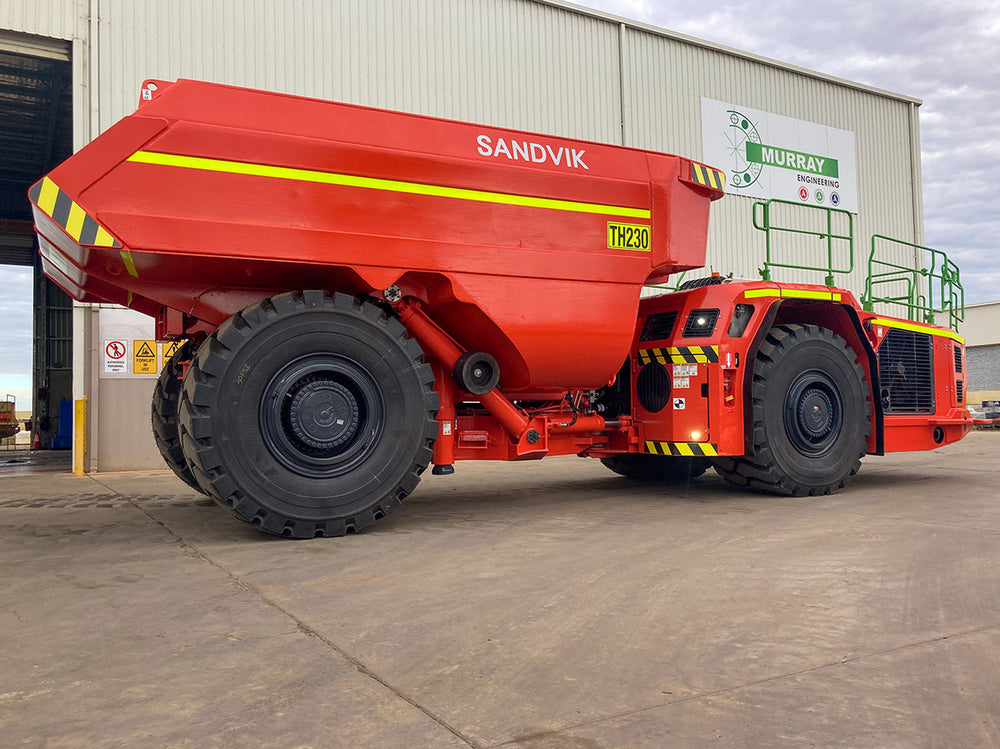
[{"x": 948, "y": 55}]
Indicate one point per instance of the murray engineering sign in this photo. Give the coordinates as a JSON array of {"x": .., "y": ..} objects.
[{"x": 767, "y": 155}]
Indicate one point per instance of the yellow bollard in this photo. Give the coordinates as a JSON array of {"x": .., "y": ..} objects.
[{"x": 79, "y": 435}]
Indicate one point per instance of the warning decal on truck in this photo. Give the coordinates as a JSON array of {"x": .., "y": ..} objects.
[
  {"x": 62, "y": 209},
  {"x": 680, "y": 355},
  {"x": 628, "y": 237},
  {"x": 688, "y": 449}
]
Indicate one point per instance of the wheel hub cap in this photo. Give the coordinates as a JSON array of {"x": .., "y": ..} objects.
[
  {"x": 323, "y": 414},
  {"x": 815, "y": 414}
]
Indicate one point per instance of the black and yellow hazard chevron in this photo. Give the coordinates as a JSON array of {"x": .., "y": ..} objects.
[
  {"x": 687, "y": 449},
  {"x": 69, "y": 215},
  {"x": 706, "y": 175},
  {"x": 680, "y": 355}
]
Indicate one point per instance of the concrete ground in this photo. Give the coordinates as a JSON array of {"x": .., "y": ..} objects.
[{"x": 540, "y": 606}]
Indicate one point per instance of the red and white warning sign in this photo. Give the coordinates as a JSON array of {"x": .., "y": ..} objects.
[{"x": 114, "y": 356}]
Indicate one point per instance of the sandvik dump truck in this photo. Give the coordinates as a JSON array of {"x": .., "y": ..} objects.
[{"x": 363, "y": 293}]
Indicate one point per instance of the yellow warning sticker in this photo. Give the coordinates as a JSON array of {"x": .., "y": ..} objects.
[
  {"x": 144, "y": 357},
  {"x": 628, "y": 237},
  {"x": 169, "y": 348}
]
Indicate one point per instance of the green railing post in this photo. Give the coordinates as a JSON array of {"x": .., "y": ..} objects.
[
  {"x": 945, "y": 294},
  {"x": 766, "y": 224}
]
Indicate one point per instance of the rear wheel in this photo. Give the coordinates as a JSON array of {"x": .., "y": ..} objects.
[
  {"x": 309, "y": 414},
  {"x": 811, "y": 414},
  {"x": 663, "y": 468},
  {"x": 166, "y": 399}
]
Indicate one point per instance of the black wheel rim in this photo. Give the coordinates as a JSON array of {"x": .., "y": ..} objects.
[
  {"x": 814, "y": 413},
  {"x": 322, "y": 415}
]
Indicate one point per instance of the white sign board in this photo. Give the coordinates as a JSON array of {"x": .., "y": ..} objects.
[
  {"x": 115, "y": 357},
  {"x": 768, "y": 155},
  {"x": 119, "y": 329}
]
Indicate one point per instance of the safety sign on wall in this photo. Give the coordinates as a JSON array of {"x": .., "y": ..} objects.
[
  {"x": 144, "y": 357},
  {"x": 115, "y": 357},
  {"x": 129, "y": 347},
  {"x": 767, "y": 155}
]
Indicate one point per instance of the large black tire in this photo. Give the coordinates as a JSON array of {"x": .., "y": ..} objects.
[
  {"x": 309, "y": 414},
  {"x": 697, "y": 283},
  {"x": 660, "y": 468},
  {"x": 166, "y": 399},
  {"x": 811, "y": 414}
]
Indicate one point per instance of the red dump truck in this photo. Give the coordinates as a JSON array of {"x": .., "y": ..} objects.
[{"x": 365, "y": 292}]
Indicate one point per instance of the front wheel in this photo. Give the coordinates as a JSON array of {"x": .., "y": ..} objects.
[
  {"x": 811, "y": 415},
  {"x": 309, "y": 414}
]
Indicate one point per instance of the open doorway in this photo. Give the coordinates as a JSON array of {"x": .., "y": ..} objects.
[{"x": 36, "y": 133}]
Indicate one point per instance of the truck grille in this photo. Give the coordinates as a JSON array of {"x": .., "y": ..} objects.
[
  {"x": 958, "y": 358},
  {"x": 959, "y": 393},
  {"x": 906, "y": 372},
  {"x": 652, "y": 387},
  {"x": 658, "y": 327}
]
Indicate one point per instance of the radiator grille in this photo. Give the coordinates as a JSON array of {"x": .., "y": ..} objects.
[
  {"x": 958, "y": 358},
  {"x": 959, "y": 394},
  {"x": 652, "y": 387},
  {"x": 906, "y": 372},
  {"x": 658, "y": 327}
]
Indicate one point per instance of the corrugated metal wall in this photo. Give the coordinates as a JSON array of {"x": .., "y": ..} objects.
[
  {"x": 503, "y": 62},
  {"x": 982, "y": 324},
  {"x": 514, "y": 63},
  {"x": 59, "y": 19},
  {"x": 665, "y": 80}
]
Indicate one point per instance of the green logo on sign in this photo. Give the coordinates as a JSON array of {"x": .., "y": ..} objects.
[
  {"x": 742, "y": 134},
  {"x": 785, "y": 158}
]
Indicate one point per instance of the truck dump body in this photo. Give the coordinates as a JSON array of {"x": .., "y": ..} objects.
[{"x": 219, "y": 196}]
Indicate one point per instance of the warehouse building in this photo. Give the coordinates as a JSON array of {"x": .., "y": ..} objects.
[
  {"x": 981, "y": 330},
  {"x": 72, "y": 68}
]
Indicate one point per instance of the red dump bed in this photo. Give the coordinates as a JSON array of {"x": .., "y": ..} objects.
[{"x": 530, "y": 247}]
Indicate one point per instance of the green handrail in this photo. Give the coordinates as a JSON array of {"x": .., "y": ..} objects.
[
  {"x": 945, "y": 293},
  {"x": 677, "y": 283},
  {"x": 768, "y": 226}
]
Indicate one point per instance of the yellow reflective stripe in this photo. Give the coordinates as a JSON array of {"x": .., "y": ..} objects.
[
  {"x": 48, "y": 195},
  {"x": 708, "y": 448},
  {"x": 74, "y": 224},
  {"x": 830, "y": 296},
  {"x": 129, "y": 264},
  {"x": 104, "y": 239},
  {"x": 373, "y": 183},
  {"x": 918, "y": 329},
  {"x": 756, "y": 293},
  {"x": 683, "y": 448},
  {"x": 803, "y": 294},
  {"x": 651, "y": 447}
]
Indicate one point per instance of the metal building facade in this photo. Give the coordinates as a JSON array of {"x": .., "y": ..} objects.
[
  {"x": 529, "y": 64},
  {"x": 540, "y": 65}
]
